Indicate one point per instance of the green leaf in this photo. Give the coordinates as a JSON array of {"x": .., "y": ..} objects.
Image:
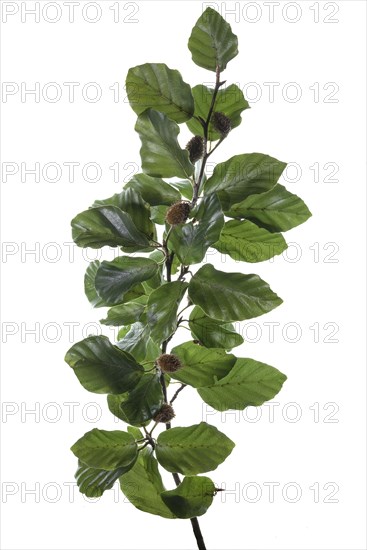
[
  {"x": 277, "y": 209},
  {"x": 141, "y": 403},
  {"x": 106, "y": 450},
  {"x": 243, "y": 240},
  {"x": 212, "y": 43},
  {"x": 114, "y": 279},
  {"x": 230, "y": 101},
  {"x": 191, "y": 498},
  {"x": 162, "y": 309},
  {"x": 154, "y": 191},
  {"x": 193, "y": 450},
  {"x": 231, "y": 296},
  {"x": 143, "y": 486},
  {"x": 132, "y": 202},
  {"x": 190, "y": 241},
  {"x": 242, "y": 176},
  {"x": 201, "y": 366},
  {"x": 160, "y": 152},
  {"x": 106, "y": 226},
  {"x": 249, "y": 383},
  {"x": 93, "y": 482},
  {"x": 184, "y": 187},
  {"x": 154, "y": 85},
  {"x": 102, "y": 367},
  {"x": 124, "y": 314},
  {"x": 136, "y": 340},
  {"x": 212, "y": 333},
  {"x": 90, "y": 287}
]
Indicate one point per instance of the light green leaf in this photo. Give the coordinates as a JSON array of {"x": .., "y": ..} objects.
[
  {"x": 190, "y": 241},
  {"x": 249, "y": 383},
  {"x": 276, "y": 210},
  {"x": 93, "y": 482},
  {"x": 201, "y": 366},
  {"x": 212, "y": 333},
  {"x": 124, "y": 314},
  {"x": 102, "y": 367},
  {"x": 191, "y": 498},
  {"x": 160, "y": 152},
  {"x": 106, "y": 226},
  {"x": 212, "y": 43},
  {"x": 154, "y": 191},
  {"x": 244, "y": 240},
  {"x": 140, "y": 404},
  {"x": 184, "y": 187},
  {"x": 231, "y": 296},
  {"x": 143, "y": 486},
  {"x": 230, "y": 101},
  {"x": 114, "y": 279},
  {"x": 106, "y": 450},
  {"x": 162, "y": 309},
  {"x": 242, "y": 176},
  {"x": 193, "y": 450},
  {"x": 154, "y": 85}
]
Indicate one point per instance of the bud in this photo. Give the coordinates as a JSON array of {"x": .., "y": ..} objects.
[
  {"x": 168, "y": 362},
  {"x": 221, "y": 123},
  {"x": 195, "y": 148},
  {"x": 165, "y": 414},
  {"x": 178, "y": 213}
]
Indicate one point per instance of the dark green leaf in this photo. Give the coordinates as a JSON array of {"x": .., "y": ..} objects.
[
  {"x": 277, "y": 209},
  {"x": 114, "y": 279},
  {"x": 230, "y": 101},
  {"x": 106, "y": 450},
  {"x": 244, "y": 240},
  {"x": 124, "y": 314},
  {"x": 212, "y": 333},
  {"x": 158, "y": 214},
  {"x": 191, "y": 240},
  {"x": 193, "y": 450},
  {"x": 132, "y": 202},
  {"x": 136, "y": 340},
  {"x": 201, "y": 366},
  {"x": 102, "y": 367},
  {"x": 249, "y": 383},
  {"x": 142, "y": 403},
  {"x": 154, "y": 85},
  {"x": 191, "y": 498},
  {"x": 93, "y": 482},
  {"x": 162, "y": 309},
  {"x": 154, "y": 191},
  {"x": 89, "y": 285},
  {"x": 212, "y": 43},
  {"x": 242, "y": 176},
  {"x": 106, "y": 226},
  {"x": 143, "y": 486},
  {"x": 231, "y": 296},
  {"x": 160, "y": 152}
]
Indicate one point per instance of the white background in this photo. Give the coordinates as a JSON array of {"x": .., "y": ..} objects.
[{"x": 316, "y": 436}]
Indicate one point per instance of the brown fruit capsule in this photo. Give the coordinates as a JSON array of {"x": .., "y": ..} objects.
[
  {"x": 168, "y": 362},
  {"x": 221, "y": 123},
  {"x": 178, "y": 213},
  {"x": 165, "y": 414},
  {"x": 195, "y": 148}
]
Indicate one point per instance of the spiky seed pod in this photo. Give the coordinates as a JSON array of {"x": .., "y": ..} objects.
[
  {"x": 195, "y": 148},
  {"x": 168, "y": 362},
  {"x": 165, "y": 414},
  {"x": 178, "y": 213},
  {"x": 221, "y": 123}
]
